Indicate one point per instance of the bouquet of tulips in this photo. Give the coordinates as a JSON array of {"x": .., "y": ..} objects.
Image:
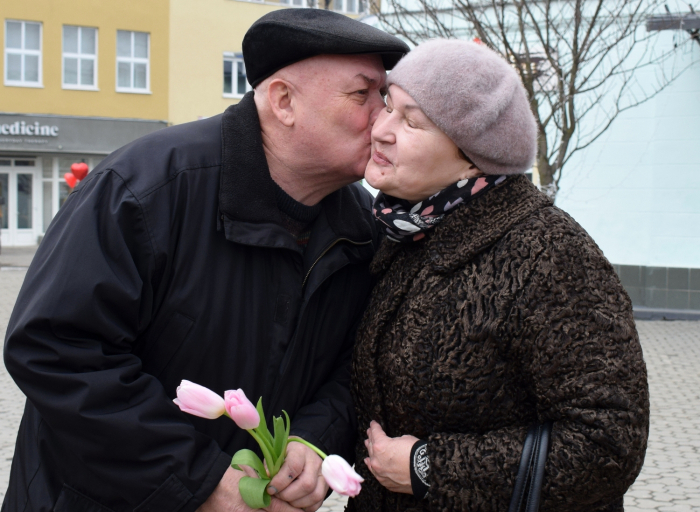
[{"x": 203, "y": 402}]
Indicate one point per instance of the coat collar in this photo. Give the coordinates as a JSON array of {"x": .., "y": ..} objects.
[
  {"x": 247, "y": 192},
  {"x": 471, "y": 228}
]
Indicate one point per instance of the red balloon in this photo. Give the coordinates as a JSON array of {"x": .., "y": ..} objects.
[
  {"x": 70, "y": 179},
  {"x": 79, "y": 170}
]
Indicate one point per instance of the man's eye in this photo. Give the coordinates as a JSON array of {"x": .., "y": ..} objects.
[
  {"x": 389, "y": 109},
  {"x": 364, "y": 92}
]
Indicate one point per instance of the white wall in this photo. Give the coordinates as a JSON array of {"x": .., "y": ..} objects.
[{"x": 637, "y": 189}]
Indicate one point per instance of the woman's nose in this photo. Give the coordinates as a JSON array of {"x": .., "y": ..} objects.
[{"x": 381, "y": 130}]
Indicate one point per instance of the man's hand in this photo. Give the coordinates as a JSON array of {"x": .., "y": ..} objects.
[
  {"x": 227, "y": 498},
  {"x": 299, "y": 481},
  {"x": 390, "y": 458}
]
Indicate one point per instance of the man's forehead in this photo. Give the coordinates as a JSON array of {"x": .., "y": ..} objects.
[{"x": 366, "y": 69}]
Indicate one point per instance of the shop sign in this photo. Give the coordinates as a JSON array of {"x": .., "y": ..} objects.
[
  {"x": 69, "y": 134},
  {"x": 29, "y": 129}
]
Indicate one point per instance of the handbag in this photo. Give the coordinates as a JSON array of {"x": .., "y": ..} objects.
[{"x": 528, "y": 485}]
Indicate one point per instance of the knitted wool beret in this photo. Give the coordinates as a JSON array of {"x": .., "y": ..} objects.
[{"x": 475, "y": 97}]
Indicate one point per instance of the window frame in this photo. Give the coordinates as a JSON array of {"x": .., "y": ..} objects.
[
  {"x": 357, "y": 7},
  {"x": 24, "y": 52},
  {"x": 79, "y": 56},
  {"x": 131, "y": 61},
  {"x": 290, "y": 3},
  {"x": 235, "y": 58}
]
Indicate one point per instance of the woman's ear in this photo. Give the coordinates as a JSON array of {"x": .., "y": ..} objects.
[
  {"x": 470, "y": 169},
  {"x": 281, "y": 100}
]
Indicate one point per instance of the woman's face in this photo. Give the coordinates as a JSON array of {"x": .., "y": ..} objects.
[{"x": 412, "y": 158}]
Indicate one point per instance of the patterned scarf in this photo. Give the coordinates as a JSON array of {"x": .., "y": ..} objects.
[{"x": 405, "y": 222}]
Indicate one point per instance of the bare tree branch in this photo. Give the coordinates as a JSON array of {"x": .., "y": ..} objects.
[{"x": 579, "y": 60}]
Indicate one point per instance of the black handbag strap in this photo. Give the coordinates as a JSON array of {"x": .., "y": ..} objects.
[
  {"x": 528, "y": 484},
  {"x": 523, "y": 470}
]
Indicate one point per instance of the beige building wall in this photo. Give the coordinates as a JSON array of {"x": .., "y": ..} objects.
[
  {"x": 107, "y": 16},
  {"x": 200, "y": 33}
]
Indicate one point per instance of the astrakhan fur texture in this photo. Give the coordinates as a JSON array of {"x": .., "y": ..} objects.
[{"x": 507, "y": 314}]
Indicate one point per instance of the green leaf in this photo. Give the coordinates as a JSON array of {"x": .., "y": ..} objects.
[
  {"x": 279, "y": 436},
  {"x": 253, "y": 491},
  {"x": 283, "y": 450},
  {"x": 248, "y": 458},
  {"x": 262, "y": 430},
  {"x": 266, "y": 452}
]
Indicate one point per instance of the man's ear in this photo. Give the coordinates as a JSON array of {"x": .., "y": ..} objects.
[{"x": 280, "y": 95}]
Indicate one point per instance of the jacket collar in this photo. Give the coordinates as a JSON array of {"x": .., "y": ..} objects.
[
  {"x": 247, "y": 192},
  {"x": 473, "y": 227}
]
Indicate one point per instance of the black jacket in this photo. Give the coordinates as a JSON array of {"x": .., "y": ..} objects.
[{"x": 168, "y": 262}]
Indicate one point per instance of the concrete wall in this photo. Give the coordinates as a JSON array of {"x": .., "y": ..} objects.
[{"x": 637, "y": 190}]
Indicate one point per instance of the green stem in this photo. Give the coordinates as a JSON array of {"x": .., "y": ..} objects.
[
  {"x": 306, "y": 443},
  {"x": 266, "y": 453},
  {"x": 262, "y": 437}
]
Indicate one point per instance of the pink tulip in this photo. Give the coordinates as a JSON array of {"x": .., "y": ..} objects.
[
  {"x": 340, "y": 476},
  {"x": 241, "y": 410},
  {"x": 199, "y": 401}
]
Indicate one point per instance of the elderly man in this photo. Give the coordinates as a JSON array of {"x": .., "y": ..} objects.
[{"x": 232, "y": 252}]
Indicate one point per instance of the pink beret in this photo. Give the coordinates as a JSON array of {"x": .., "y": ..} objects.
[{"x": 476, "y": 97}]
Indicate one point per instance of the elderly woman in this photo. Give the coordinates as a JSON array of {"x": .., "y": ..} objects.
[{"x": 493, "y": 310}]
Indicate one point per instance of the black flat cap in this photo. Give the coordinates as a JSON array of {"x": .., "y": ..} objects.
[{"x": 286, "y": 36}]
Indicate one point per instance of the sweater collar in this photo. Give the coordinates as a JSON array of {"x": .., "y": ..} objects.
[
  {"x": 473, "y": 227},
  {"x": 247, "y": 191}
]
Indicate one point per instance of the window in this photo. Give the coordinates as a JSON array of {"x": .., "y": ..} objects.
[
  {"x": 235, "y": 81},
  {"x": 133, "y": 73},
  {"x": 350, "y": 6},
  {"x": 23, "y": 53},
  {"x": 295, "y": 3},
  {"x": 79, "y": 57}
]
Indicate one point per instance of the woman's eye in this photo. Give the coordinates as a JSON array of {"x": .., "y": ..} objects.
[{"x": 388, "y": 109}]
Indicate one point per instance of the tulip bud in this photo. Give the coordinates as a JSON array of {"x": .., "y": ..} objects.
[
  {"x": 340, "y": 476},
  {"x": 199, "y": 401},
  {"x": 241, "y": 410}
]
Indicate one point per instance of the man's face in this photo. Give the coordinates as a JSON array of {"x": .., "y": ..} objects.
[{"x": 337, "y": 108}]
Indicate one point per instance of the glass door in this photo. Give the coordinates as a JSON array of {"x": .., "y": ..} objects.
[{"x": 18, "y": 201}]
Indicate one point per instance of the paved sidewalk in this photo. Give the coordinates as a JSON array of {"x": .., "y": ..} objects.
[
  {"x": 16, "y": 256},
  {"x": 670, "y": 479}
]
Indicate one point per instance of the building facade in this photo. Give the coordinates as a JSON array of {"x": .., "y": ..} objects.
[
  {"x": 80, "y": 79},
  {"x": 637, "y": 189}
]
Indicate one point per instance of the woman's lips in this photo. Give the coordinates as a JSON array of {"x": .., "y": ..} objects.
[{"x": 380, "y": 158}]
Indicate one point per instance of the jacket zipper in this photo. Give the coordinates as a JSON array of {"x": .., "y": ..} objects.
[
  {"x": 324, "y": 253},
  {"x": 288, "y": 356}
]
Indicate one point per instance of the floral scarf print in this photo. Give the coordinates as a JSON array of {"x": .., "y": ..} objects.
[{"x": 404, "y": 222}]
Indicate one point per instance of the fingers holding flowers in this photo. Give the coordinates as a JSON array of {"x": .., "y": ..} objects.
[{"x": 292, "y": 477}]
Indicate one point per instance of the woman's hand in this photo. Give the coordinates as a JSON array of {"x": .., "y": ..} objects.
[{"x": 389, "y": 458}]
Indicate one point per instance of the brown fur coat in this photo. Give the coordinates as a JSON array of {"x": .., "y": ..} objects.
[{"x": 507, "y": 314}]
